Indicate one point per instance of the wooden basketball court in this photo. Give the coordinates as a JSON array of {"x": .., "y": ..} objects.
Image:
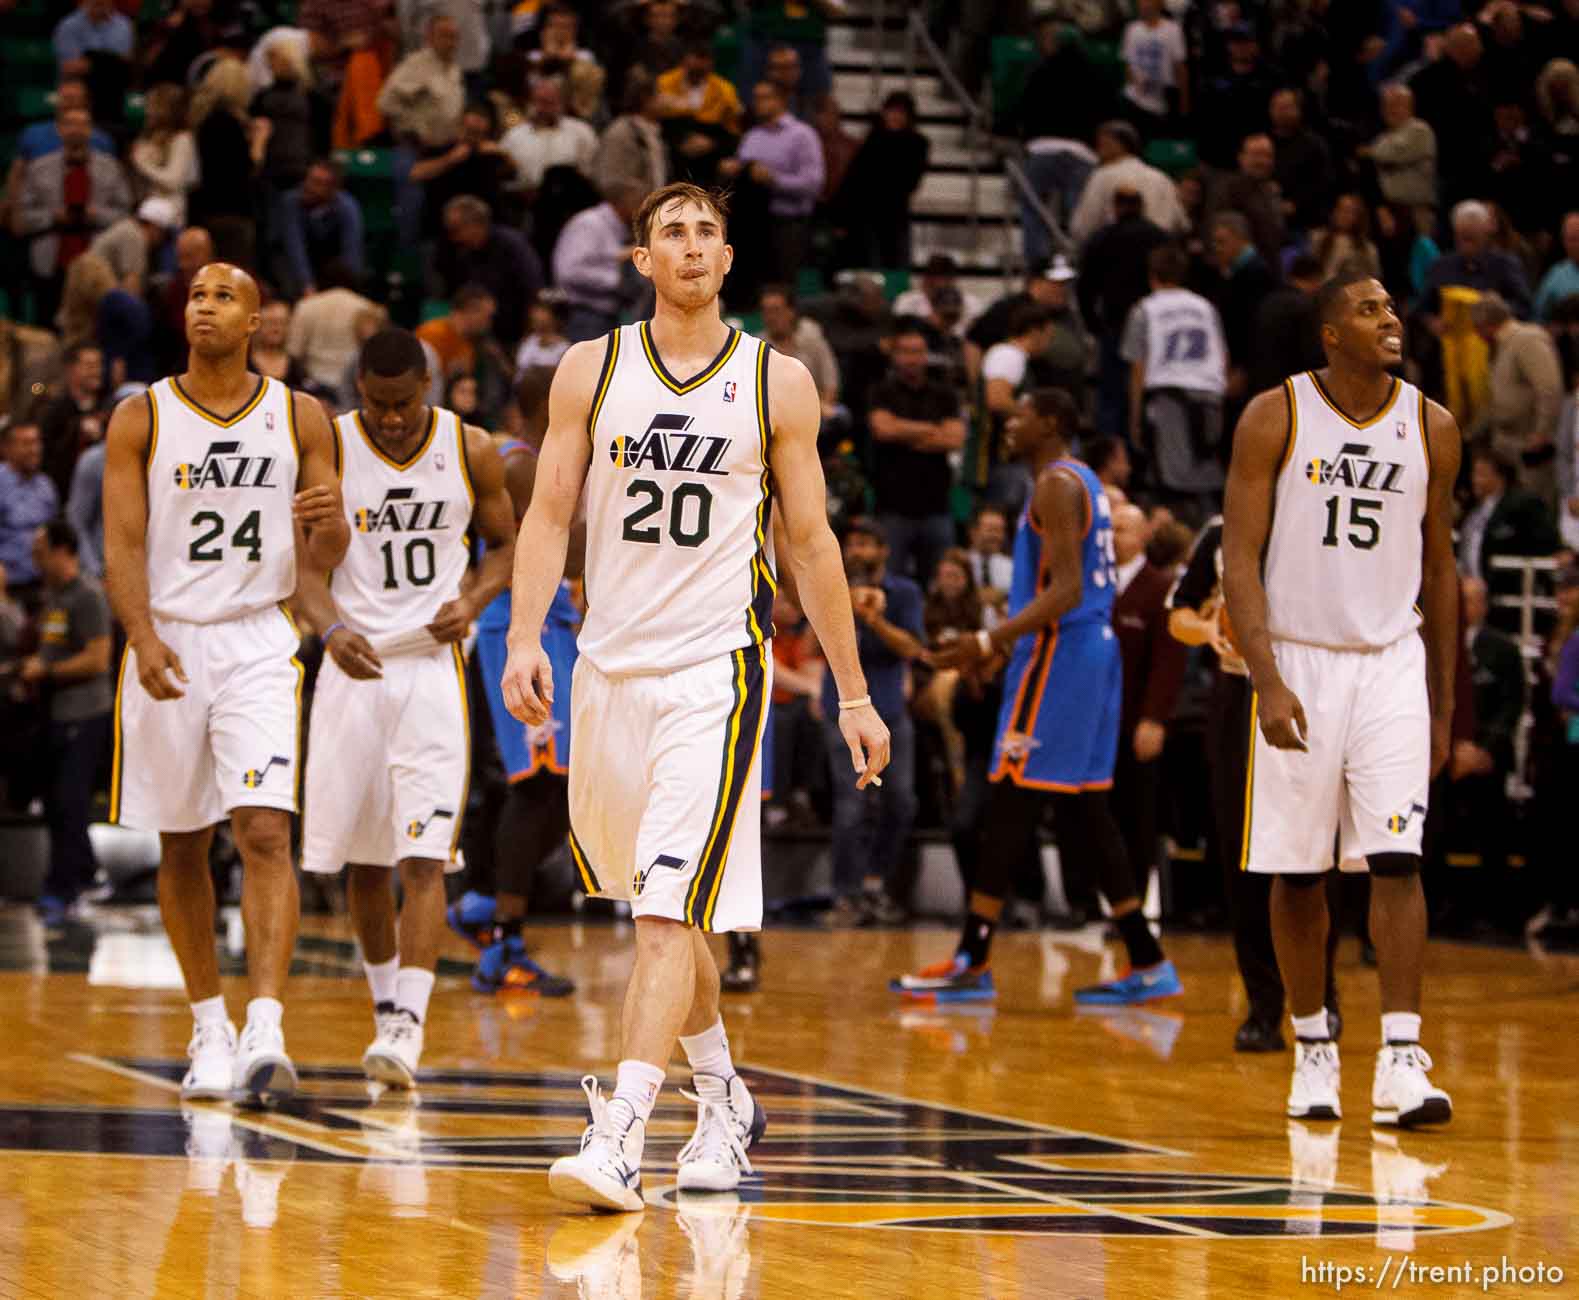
[{"x": 1010, "y": 1152}]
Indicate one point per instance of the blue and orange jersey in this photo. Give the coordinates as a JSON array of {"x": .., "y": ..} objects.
[
  {"x": 1098, "y": 572},
  {"x": 496, "y": 617}
]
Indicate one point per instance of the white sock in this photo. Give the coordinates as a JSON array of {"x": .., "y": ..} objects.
[
  {"x": 413, "y": 988},
  {"x": 708, "y": 1051},
  {"x": 210, "y": 1012},
  {"x": 265, "y": 1011},
  {"x": 1400, "y": 1027},
  {"x": 1314, "y": 1025},
  {"x": 381, "y": 978},
  {"x": 637, "y": 1085}
]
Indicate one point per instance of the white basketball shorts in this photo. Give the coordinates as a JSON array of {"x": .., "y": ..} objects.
[
  {"x": 666, "y": 789},
  {"x": 388, "y": 764},
  {"x": 231, "y": 741},
  {"x": 1363, "y": 782}
]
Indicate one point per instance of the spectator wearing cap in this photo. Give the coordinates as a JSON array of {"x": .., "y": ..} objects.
[
  {"x": 1525, "y": 393},
  {"x": 881, "y": 181},
  {"x": 71, "y": 671},
  {"x": 871, "y": 826},
  {"x": 1118, "y": 143},
  {"x": 940, "y": 272},
  {"x": 1178, "y": 373},
  {"x": 133, "y": 242},
  {"x": 320, "y": 224},
  {"x": 784, "y": 156},
  {"x": 1504, "y": 521},
  {"x": 916, "y": 423},
  {"x": 1044, "y": 286},
  {"x": 592, "y": 261},
  {"x": 1303, "y": 162}
]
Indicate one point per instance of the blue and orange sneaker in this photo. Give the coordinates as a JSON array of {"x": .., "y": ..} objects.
[
  {"x": 1146, "y": 985},
  {"x": 471, "y": 917},
  {"x": 506, "y": 967},
  {"x": 954, "y": 980}
]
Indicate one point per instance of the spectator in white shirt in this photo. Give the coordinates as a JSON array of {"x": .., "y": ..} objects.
[
  {"x": 548, "y": 139},
  {"x": 545, "y": 342},
  {"x": 1118, "y": 143},
  {"x": 1155, "y": 63},
  {"x": 591, "y": 258}
]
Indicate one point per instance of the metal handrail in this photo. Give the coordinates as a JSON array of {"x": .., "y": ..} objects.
[
  {"x": 917, "y": 37},
  {"x": 1061, "y": 240}
]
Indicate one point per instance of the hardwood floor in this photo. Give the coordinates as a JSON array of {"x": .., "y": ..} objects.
[{"x": 1018, "y": 1150}]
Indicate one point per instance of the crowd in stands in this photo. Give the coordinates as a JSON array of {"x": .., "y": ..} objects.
[{"x": 469, "y": 168}]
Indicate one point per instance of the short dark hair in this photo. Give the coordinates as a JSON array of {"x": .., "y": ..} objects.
[
  {"x": 684, "y": 191},
  {"x": 1057, "y": 404},
  {"x": 482, "y": 108},
  {"x": 1500, "y": 461},
  {"x": 989, "y": 508},
  {"x": 1333, "y": 294},
  {"x": 392, "y": 353},
  {"x": 867, "y": 527},
  {"x": 328, "y": 164},
  {"x": 1305, "y": 267},
  {"x": 61, "y": 536},
  {"x": 784, "y": 291},
  {"x": 531, "y": 391},
  {"x": 1028, "y": 316},
  {"x": 469, "y": 294},
  {"x": 1100, "y": 451},
  {"x": 75, "y": 351},
  {"x": 1121, "y": 132},
  {"x": 901, "y": 99},
  {"x": 1168, "y": 264}
]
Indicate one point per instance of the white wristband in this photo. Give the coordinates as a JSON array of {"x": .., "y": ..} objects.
[
  {"x": 984, "y": 640},
  {"x": 859, "y": 702}
]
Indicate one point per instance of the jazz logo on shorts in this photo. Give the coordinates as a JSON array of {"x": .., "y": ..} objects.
[
  {"x": 1398, "y": 823},
  {"x": 662, "y": 860},
  {"x": 253, "y": 777},
  {"x": 416, "y": 829}
]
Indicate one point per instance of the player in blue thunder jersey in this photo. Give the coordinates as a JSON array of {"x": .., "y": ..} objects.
[
  {"x": 1058, "y": 729},
  {"x": 536, "y": 814}
]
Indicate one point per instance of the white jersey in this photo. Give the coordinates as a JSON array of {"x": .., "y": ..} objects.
[
  {"x": 1343, "y": 559},
  {"x": 1184, "y": 345},
  {"x": 221, "y": 544},
  {"x": 678, "y": 494},
  {"x": 408, "y": 527}
]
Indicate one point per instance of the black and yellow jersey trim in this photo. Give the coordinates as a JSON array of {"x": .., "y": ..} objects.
[
  {"x": 611, "y": 356},
  {"x": 1293, "y": 424},
  {"x": 466, "y": 723},
  {"x": 578, "y": 855},
  {"x": 120, "y": 739},
  {"x": 153, "y": 429},
  {"x": 742, "y": 737},
  {"x": 290, "y": 423},
  {"x": 695, "y": 381},
  {"x": 1250, "y": 781},
  {"x": 1387, "y": 404},
  {"x": 764, "y": 584},
  {"x": 298, "y": 784},
  {"x": 433, "y": 425},
  {"x": 223, "y": 421}
]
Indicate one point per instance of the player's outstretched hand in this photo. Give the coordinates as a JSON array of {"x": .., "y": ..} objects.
[
  {"x": 1282, "y": 718},
  {"x": 157, "y": 663},
  {"x": 528, "y": 685},
  {"x": 355, "y": 656},
  {"x": 453, "y": 621},
  {"x": 867, "y": 736}
]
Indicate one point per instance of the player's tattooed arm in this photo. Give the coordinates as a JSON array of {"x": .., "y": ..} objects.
[
  {"x": 126, "y": 452},
  {"x": 318, "y": 506},
  {"x": 544, "y": 537},
  {"x": 1259, "y": 445},
  {"x": 814, "y": 555},
  {"x": 1439, "y": 578},
  {"x": 493, "y": 517}
]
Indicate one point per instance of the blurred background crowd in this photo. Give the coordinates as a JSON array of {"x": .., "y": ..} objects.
[{"x": 468, "y": 169}]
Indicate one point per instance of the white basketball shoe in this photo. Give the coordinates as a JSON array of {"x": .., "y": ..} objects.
[
  {"x": 212, "y": 1073},
  {"x": 1401, "y": 1093},
  {"x": 262, "y": 1067},
  {"x": 396, "y": 1048},
  {"x": 728, "y": 1120},
  {"x": 606, "y": 1172},
  {"x": 1314, "y": 1091}
]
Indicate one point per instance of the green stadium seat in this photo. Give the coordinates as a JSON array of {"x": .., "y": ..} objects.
[
  {"x": 895, "y": 283},
  {"x": 136, "y": 109},
  {"x": 1012, "y": 60},
  {"x": 809, "y": 283},
  {"x": 726, "y": 53},
  {"x": 31, "y": 59},
  {"x": 433, "y": 308},
  {"x": 34, "y": 103},
  {"x": 367, "y": 164},
  {"x": 1172, "y": 156}
]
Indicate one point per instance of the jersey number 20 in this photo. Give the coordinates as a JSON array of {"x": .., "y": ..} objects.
[{"x": 690, "y": 514}]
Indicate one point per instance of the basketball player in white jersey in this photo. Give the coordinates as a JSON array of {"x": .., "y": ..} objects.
[
  {"x": 213, "y": 480},
  {"x": 681, "y": 478},
  {"x": 388, "y": 758},
  {"x": 1337, "y": 519}
]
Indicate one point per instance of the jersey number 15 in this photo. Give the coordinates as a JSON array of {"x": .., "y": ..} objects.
[{"x": 1365, "y": 529}]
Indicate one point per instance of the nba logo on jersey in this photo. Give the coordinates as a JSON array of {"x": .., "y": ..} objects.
[
  {"x": 729, "y": 390},
  {"x": 1402, "y": 429},
  {"x": 268, "y": 421}
]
